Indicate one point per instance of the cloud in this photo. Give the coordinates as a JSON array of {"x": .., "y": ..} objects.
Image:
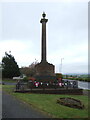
[
  {"x": 21, "y": 50},
  {"x": 67, "y": 33}
]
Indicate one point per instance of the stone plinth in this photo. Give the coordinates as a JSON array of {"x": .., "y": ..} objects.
[
  {"x": 45, "y": 71},
  {"x": 44, "y": 68}
]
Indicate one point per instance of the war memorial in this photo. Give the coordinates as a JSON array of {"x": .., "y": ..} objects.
[
  {"x": 44, "y": 70},
  {"x": 45, "y": 79}
]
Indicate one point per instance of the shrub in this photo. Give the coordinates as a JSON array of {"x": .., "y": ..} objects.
[{"x": 25, "y": 79}]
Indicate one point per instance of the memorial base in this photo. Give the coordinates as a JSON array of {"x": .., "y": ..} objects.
[{"x": 45, "y": 72}]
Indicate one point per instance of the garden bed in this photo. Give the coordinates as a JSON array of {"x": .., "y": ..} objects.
[{"x": 71, "y": 102}]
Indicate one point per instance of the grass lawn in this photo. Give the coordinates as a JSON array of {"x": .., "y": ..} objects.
[
  {"x": 47, "y": 103},
  {"x": 9, "y": 81}
]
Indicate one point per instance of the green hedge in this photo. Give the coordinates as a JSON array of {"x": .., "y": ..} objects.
[{"x": 80, "y": 79}]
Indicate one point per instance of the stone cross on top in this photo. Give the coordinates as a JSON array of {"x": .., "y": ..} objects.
[{"x": 43, "y": 49}]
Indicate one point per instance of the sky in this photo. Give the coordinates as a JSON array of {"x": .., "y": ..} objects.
[{"x": 67, "y": 33}]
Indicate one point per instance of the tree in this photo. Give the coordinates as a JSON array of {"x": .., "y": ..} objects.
[
  {"x": 9, "y": 66},
  {"x": 59, "y": 75},
  {"x": 30, "y": 70}
]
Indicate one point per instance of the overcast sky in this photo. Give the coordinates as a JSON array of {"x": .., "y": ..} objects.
[{"x": 67, "y": 33}]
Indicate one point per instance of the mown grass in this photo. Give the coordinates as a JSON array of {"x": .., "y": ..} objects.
[
  {"x": 48, "y": 104},
  {"x": 9, "y": 80}
]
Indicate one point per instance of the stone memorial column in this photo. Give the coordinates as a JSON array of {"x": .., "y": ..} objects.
[
  {"x": 44, "y": 71},
  {"x": 43, "y": 50}
]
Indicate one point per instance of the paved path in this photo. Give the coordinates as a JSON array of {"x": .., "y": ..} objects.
[{"x": 13, "y": 108}]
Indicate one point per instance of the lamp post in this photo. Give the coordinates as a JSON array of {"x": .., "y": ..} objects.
[{"x": 61, "y": 64}]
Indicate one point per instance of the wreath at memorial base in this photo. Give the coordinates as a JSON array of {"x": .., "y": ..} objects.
[{"x": 71, "y": 102}]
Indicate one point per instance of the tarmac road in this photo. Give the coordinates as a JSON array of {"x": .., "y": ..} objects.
[{"x": 13, "y": 108}]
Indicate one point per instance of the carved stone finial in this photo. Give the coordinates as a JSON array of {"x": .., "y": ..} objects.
[{"x": 44, "y": 15}]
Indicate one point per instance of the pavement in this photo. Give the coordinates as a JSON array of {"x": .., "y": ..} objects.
[{"x": 13, "y": 108}]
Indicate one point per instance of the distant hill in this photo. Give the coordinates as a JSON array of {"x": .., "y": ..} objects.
[{"x": 75, "y": 74}]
